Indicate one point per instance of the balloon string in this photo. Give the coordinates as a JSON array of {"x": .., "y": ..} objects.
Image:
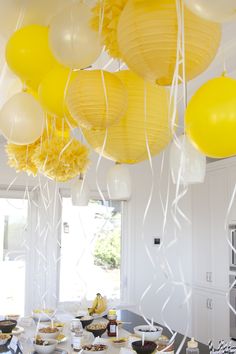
[
  {"x": 101, "y": 17},
  {"x": 148, "y": 288},
  {"x": 232, "y": 248},
  {"x": 64, "y": 99},
  {"x": 104, "y": 142},
  {"x": 152, "y": 174},
  {"x": 173, "y": 111},
  {"x": 179, "y": 195}
]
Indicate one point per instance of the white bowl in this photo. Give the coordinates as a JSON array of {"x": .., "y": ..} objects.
[
  {"x": 46, "y": 349},
  {"x": 4, "y": 338},
  {"x": 43, "y": 315},
  {"x": 152, "y": 336},
  {"x": 48, "y": 335}
]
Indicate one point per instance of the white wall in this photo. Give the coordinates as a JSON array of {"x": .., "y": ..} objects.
[{"x": 177, "y": 253}]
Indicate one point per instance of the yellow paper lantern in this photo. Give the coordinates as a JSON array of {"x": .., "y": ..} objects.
[
  {"x": 28, "y": 54},
  {"x": 126, "y": 140},
  {"x": 52, "y": 90},
  {"x": 61, "y": 158},
  {"x": 105, "y": 18},
  {"x": 147, "y": 39},
  {"x": 211, "y": 118},
  {"x": 96, "y": 99}
]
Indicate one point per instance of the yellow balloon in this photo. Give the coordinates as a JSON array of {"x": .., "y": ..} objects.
[
  {"x": 96, "y": 99},
  {"x": 126, "y": 140},
  {"x": 56, "y": 125},
  {"x": 147, "y": 39},
  {"x": 211, "y": 118},
  {"x": 52, "y": 89},
  {"x": 28, "y": 54}
]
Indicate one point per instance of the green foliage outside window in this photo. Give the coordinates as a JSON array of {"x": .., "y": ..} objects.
[{"x": 107, "y": 250}]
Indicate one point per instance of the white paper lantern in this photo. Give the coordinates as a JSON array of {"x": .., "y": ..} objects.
[
  {"x": 119, "y": 183},
  {"x": 187, "y": 164},
  {"x": 80, "y": 193}
]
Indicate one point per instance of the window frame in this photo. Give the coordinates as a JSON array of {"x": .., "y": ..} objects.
[
  {"x": 49, "y": 282},
  {"x": 19, "y": 193},
  {"x": 126, "y": 269}
]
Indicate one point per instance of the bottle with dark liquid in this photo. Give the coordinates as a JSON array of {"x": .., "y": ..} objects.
[{"x": 112, "y": 324}]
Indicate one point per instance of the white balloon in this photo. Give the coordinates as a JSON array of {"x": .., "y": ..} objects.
[
  {"x": 213, "y": 10},
  {"x": 72, "y": 40},
  {"x": 187, "y": 164},
  {"x": 119, "y": 183},
  {"x": 15, "y": 14},
  {"x": 22, "y": 119},
  {"x": 10, "y": 84},
  {"x": 80, "y": 193}
]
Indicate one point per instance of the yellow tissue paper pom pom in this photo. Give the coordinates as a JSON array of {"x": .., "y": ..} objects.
[
  {"x": 60, "y": 158},
  {"x": 20, "y": 157},
  {"x": 106, "y": 14}
]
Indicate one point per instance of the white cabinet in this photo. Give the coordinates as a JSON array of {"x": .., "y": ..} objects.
[
  {"x": 210, "y": 202},
  {"x": 210, "y": 317},
  {"x": 201, "y": 241},
  {"x": 210, "y": 248},
  {"x": 220, "y": 318},
  {"x": 218, "y": 199},
  {"x": 202, "y": 318}
]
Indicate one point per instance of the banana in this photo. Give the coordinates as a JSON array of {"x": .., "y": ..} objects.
[
  {"x": 99, "y": 305},
  {"x": 91, "y": 310},
  {"x": 102, "y": 304}
]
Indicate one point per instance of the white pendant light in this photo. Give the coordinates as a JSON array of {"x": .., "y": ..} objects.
[
  {"x": 80, "y": 192},
  {"x": 187, "y": 164},
  {"x": 119, "y": 182}
]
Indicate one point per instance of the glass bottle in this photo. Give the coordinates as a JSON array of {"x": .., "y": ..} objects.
[
  {"x": 77, "y": 334},
  {"x": 112, "y": 324},
  {"x": 192, "y": 347}
]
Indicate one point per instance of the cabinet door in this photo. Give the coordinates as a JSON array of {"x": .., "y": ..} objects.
[
  {"x": 202, "y": 317},
  {"x": 201, "y": 233},
  {"x": 219, "y": 246},
  {"x": 220, "y": 320}
]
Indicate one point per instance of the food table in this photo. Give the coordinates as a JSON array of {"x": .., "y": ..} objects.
[{"x": 130, "y": 320}]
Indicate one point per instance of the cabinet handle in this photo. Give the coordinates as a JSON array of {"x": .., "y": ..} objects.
[
  {"x": 207, "y": 303},
  {"x": 210, "y": 304},
  {"x": 210, "y": 277}
]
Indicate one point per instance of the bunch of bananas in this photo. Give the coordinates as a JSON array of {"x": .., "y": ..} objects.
[{"x": 99, "y": 305}]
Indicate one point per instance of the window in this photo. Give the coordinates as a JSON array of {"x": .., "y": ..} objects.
[
  {"x": 13, "y": 223},
  {"x": 90, "y": 250}
]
